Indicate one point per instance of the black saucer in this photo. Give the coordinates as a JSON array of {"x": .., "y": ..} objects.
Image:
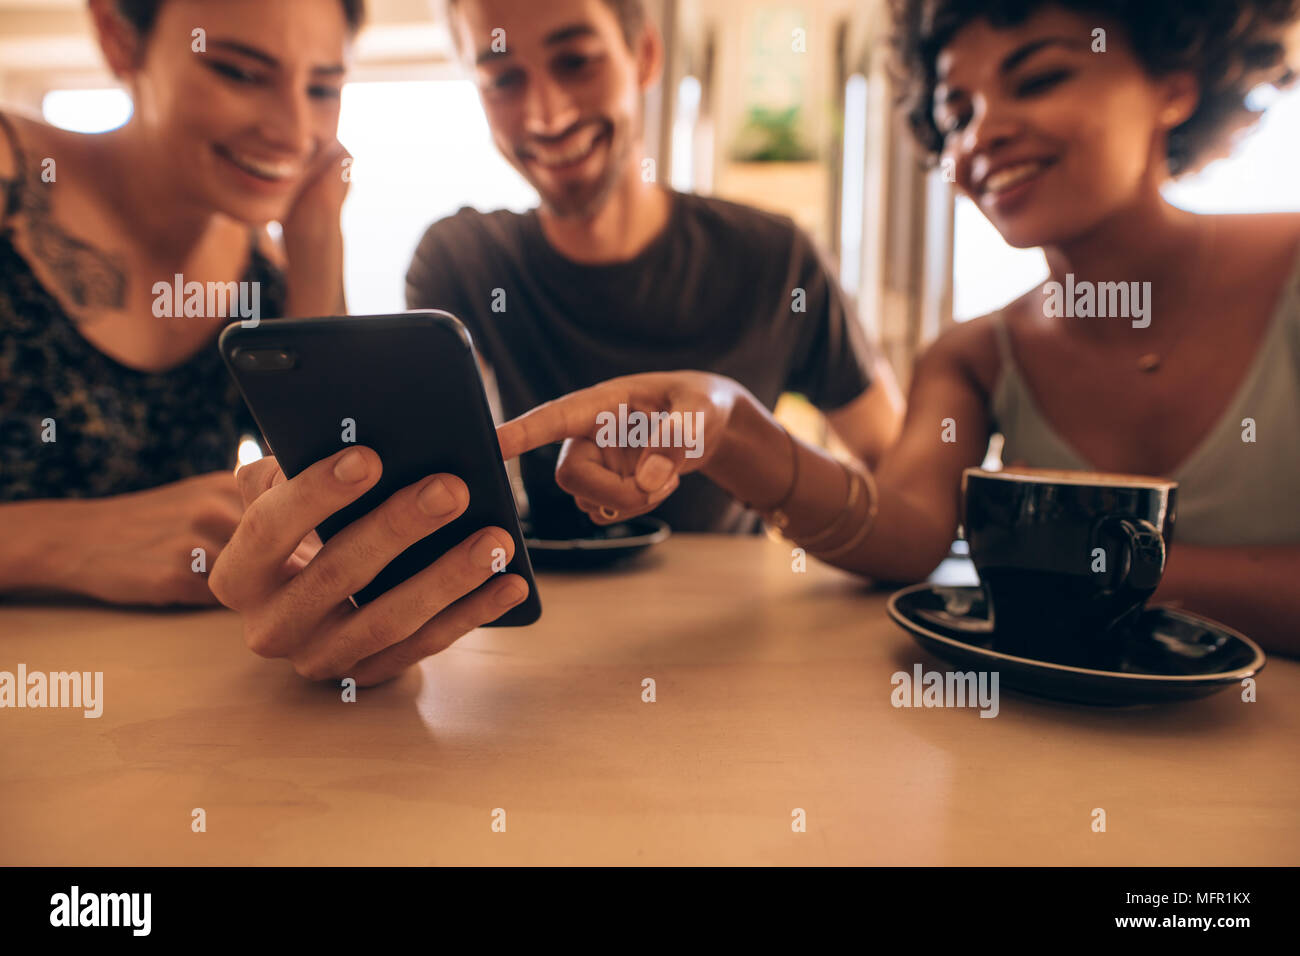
[
  {"x": 604, "y": 546},
  {"x": 1175, "y": 655}
]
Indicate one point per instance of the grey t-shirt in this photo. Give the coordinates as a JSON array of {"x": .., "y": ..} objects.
[{"x": 723, "y": 288}]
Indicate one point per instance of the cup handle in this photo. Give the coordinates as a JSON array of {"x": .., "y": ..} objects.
[{"x": 1144, "y": 554}]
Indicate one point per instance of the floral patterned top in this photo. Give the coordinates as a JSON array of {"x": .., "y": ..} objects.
[{"x": 74, "y": 423}]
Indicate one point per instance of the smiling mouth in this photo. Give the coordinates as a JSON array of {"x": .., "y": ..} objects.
[
  {"x": 1009, "y": 177},
  {"x": 271, "y": 171},
  {"x": 573, "y": 153}
]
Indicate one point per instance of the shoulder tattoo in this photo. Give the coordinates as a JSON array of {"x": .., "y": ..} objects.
[{"x": 89, "y": 277}]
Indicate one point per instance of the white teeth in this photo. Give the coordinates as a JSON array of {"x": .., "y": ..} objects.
[
  {"x": 267, "y": 170},
  {"x": 547, "y": 156},
  {"x": 1010, "y": 176}
]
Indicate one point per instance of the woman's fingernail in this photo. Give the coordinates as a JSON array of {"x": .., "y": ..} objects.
[
  {"x": 436, "y": 499},
  {"x": 655, "y": 470},
  {"x": 351, "y": 467},
  {"x": 511, "y": 593}
]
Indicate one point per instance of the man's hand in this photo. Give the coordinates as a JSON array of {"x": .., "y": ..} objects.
[{"x": 293, "y": 593}]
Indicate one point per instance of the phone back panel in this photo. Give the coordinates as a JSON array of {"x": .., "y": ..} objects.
[{"x": 409, "y": 387}]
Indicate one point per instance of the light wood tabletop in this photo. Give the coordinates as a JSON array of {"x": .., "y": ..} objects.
[{"x": 772, "y": 695}]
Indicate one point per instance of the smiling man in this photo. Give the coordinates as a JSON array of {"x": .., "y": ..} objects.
[{"x": 615, "y": 274}]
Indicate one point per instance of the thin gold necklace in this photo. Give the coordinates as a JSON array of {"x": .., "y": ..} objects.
[{"x": 1151, "y": 362}]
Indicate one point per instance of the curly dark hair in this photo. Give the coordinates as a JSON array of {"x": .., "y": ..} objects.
[
  {"x": 1231, "y": 46},
  {"x": 141, "y": 14}
]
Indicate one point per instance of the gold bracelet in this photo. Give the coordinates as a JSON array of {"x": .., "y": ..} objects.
[
  {"x": 828, "y": 532},
  {"x": 868, "y": 523}
]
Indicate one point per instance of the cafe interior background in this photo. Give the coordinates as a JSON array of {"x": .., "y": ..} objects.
[{"x": 741, "y": 113}]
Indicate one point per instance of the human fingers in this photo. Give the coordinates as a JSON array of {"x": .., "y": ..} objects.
[
  {"x": 279, "y": 514},
  {"x": 407, "y": 608},
  {"x": 474, "y": 610}
]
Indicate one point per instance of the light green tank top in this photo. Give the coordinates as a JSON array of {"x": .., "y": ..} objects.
[{"x": 1230, "y": 491}]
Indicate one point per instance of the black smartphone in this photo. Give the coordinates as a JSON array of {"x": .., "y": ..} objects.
[{"x": 407, "y": 386}]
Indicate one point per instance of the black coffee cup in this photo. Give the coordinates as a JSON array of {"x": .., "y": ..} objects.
[
  {"x": 1068, "y": 558},
  {"x": 552, "y": 514}
]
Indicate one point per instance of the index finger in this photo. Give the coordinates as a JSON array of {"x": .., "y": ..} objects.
[{"x": 572, "y": 416}]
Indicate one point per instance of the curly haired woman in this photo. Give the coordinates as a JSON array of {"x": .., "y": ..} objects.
[{"x": 1064, "y": 143}]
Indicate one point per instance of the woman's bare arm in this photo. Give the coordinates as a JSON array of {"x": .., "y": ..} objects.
[
  {"x": 1249, "y": 588},
  {"x": 918, "y": 483},
  {"x": 748, "y": 454}
]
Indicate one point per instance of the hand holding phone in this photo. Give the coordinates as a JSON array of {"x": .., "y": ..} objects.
[
  {"x": 414, "y": 513},
  {"x": 294, "y": 592}
]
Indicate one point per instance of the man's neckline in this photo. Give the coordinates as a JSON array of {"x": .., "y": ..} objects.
[{"x": 537, "y": 235}]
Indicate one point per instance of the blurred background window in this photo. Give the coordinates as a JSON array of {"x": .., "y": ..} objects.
[
  {"x": 422, "y": 151},
  {"x": 86, "y": 111}
]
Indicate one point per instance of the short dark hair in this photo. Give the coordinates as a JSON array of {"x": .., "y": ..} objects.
[
  {"x": 142, "y": 14},
  {"x": 630, "y": 14},
  {"x": 1231, "y": 46}
]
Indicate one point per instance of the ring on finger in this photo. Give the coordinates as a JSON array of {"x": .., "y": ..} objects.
[{"x": 607, "y": 513}]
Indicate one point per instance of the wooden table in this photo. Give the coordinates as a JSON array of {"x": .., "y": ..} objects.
[{"x": 773, "y": 693}]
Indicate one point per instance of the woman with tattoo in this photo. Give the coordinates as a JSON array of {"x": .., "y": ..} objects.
[
  {"x": 118, "y": 424},
  {"x": 1064, "y": 143}
]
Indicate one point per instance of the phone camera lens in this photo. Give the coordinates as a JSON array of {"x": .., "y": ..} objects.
[{"x": 265, "y": 360}]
